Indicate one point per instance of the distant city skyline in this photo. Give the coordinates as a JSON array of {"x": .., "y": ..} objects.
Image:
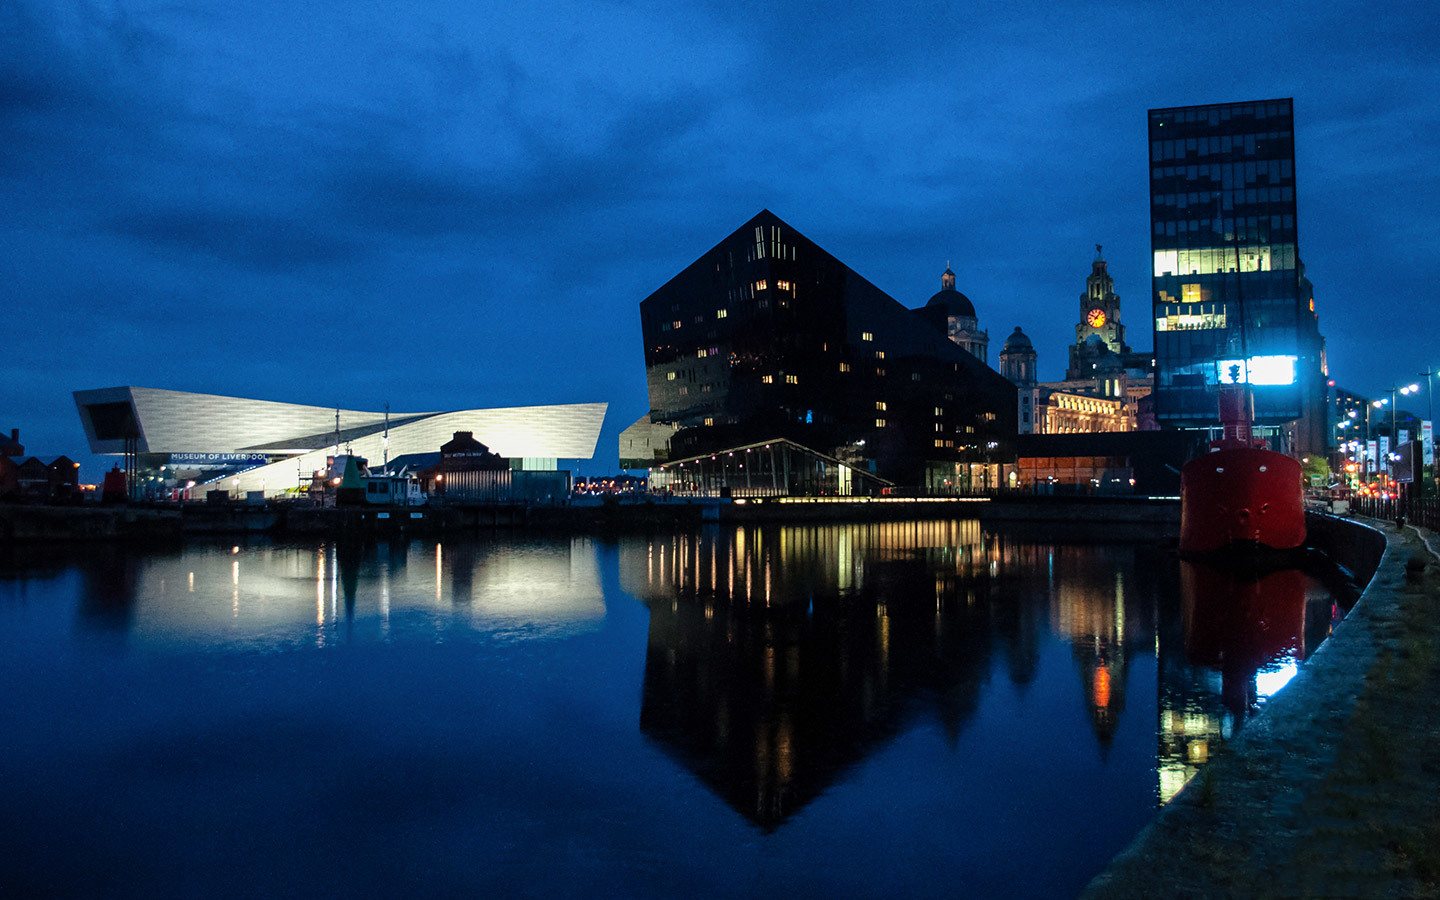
[{"x": 463, "y": 207}]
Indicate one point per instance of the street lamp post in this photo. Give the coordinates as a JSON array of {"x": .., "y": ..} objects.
[
  {"x": 1368, "y": 435},
  {"x": 1429, "y": 375}
]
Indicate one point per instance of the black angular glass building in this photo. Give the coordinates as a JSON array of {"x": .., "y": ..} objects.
[
  {"x": 767, "y": 336},
  {"x": 1224, "y": 240}
]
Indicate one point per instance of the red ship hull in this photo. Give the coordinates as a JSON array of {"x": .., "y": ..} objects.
[{"x": 1241, "y": 497}]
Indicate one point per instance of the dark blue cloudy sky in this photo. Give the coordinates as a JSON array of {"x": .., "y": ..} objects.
[{"x": 449, "y": 204}]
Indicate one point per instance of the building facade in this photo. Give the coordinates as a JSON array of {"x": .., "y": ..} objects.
[
  {"x": 766, "y": 336},
  {"x": 1099, "y": 333},
  {"x": 1227, "y": 294},
  {"x": 244, "y": 445}
]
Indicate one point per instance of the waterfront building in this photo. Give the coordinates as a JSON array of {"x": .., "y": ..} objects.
[
  {"x": 768, "y": 338},
  {"x": 1225, "y": 247},
  {"x": 1131, "y": 462},
  {"x": 954, "y": 314},
  {"x": 1106, "y": 383},
  {"x": 55, "y": 479},
  {"x": 1100, "y": 362},
  {"x": 1099, "y": 335},
  {"x": 244, "y": 445},
  {"x": 1068, "y": 407}
]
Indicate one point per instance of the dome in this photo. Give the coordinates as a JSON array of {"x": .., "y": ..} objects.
[
  {"x": 1018, "y": 340},
  {"x": 953, "y": 302}
]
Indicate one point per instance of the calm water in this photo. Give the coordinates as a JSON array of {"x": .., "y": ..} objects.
[{"x": 897, "y": 709}]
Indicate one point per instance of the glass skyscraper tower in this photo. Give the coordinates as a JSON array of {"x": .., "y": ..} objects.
[{"x": 1227, "y": 287}]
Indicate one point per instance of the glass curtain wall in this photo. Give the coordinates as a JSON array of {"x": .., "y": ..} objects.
[{"x": 1226, "y": 285}]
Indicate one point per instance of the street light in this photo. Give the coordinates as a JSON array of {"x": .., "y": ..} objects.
[{"x": 1428, "y": 375}]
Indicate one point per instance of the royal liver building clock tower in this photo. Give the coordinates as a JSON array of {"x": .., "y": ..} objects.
[{"x": 1099, "y": 331}]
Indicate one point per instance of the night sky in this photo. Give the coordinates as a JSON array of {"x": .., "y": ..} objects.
[{"x": 444, "y": 205}]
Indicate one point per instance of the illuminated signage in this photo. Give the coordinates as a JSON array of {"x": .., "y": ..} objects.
[
  {"x": 1262, "y": 370},
  {"x": 218, "y": 459}
]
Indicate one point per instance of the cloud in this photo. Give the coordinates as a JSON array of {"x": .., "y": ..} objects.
[{"x": 263, "y": 242}]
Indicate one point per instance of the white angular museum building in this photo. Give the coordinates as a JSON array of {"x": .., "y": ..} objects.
[{"x": 264, "y": 445}]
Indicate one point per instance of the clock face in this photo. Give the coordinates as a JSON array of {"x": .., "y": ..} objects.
[{"x": 1095, "y": 318}]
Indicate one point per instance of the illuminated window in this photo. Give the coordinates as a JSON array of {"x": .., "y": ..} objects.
[
  {"x": 939, "y": 410},
  {"x": 879, "y": 423},
  {"x": 844, "y": 367},
  {"x": 867, "y": 336},
  {"x": 939, "y": 426},
  {"x": 761, "y": 285},
  {"x": 721, "y": 313},
  {"x": 1190, "y": 293},
  {"x": 880, "y": 370},
  {"x": 879, "y": 354},
  {"x": 1201, "y": 318},
  {"x": 988, "y": 417},
  {"x": 767, "y": 379},
  {"x": 914, "y": 376},
  {"x": 702, "y": 353},
  {"x": 939, "y": 442},
  {"x": 792, "y": 379},
  {"x": 880, "y": 405},
  {"x": 709, "y": 421},
  {"x": 669, "y": 376}
]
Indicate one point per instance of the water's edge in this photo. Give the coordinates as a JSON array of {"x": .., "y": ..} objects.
[{"x": 1250, "y": 797}]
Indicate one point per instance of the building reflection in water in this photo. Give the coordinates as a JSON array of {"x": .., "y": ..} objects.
[
  {"x": 1105, "y": 608},
  {"x": 221, "y": 593},
  {"x": 1232, "y": 643},
  {"x": 779, "y": 657}
]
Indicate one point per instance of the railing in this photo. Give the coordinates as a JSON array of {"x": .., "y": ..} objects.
[{"x": 1424, "y": 512}]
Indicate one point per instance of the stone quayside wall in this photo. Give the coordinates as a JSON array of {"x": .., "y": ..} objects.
[
  {"x": 1156, "y": 517},
  {"x": 1330, "y": 791}
]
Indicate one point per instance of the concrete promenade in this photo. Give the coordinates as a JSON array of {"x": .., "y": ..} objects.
[{"x": 1334, "y": 790}]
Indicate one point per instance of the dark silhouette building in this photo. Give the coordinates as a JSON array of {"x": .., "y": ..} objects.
[
  {"x": 767, "y": 336},
  {"x": 9, "y": 469},
  {"x": 1225, "y": 249}
]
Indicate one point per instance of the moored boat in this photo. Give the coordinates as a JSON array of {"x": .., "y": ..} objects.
[{"x": 1241, "y": 498}]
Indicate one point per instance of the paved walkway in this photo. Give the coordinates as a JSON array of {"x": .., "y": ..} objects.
[{"x": 1334, "y": 791}]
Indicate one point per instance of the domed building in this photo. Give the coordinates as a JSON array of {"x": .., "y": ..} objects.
[
  {"x": 954, "y": 314},
  {"x": 1017, "y": 363},
  {"x": 1017, "y": 359}
]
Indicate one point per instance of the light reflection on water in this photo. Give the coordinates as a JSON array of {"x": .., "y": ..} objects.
[{"x": 885, "y": 707}]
